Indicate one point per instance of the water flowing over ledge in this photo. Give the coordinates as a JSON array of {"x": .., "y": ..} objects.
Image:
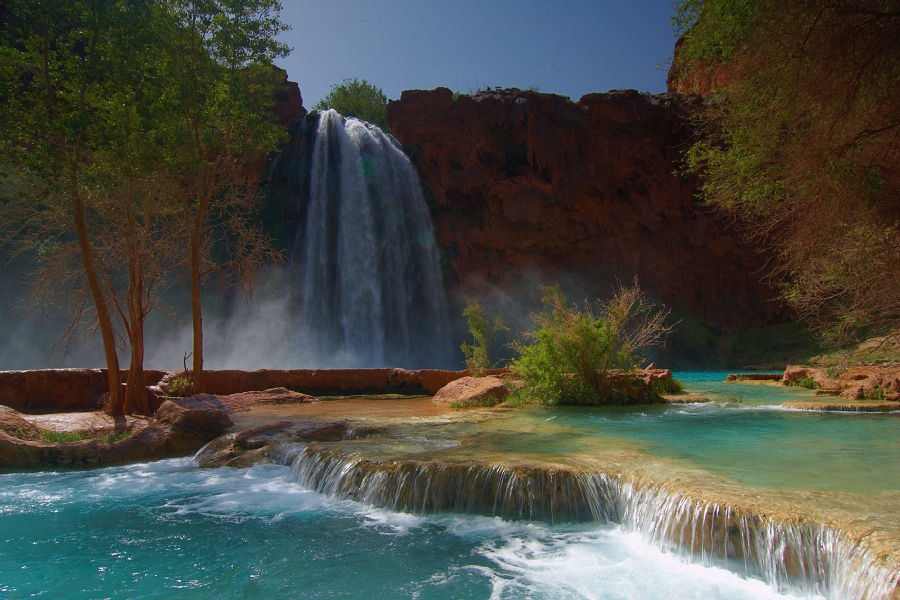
[
  {"x": 789, "y": 553},
  {"x": 368, "y": 272}
]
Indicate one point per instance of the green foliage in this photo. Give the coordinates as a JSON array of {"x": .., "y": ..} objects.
[
  {"x": 360, "y": 99},
  {"x": 483, "y": 333},
  {"x": 806, "y": 382},
  {"x": 801, "y": 144},
  {"x": 584, "y": 356},
  {"x": 181, "y": 387},
  {"x": 661, "y": 387},
  {"x": 68, "y": 437},
  {"x": 126, "y": 130},
  {"x": 483, "y": 402},
  {"x": 118, "y": 436},
  {"x": 61, "y": 437},
  {"x": 876, "y": 393}
]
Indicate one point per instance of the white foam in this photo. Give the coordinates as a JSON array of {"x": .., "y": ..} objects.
[{"x": 607, "y": 563}]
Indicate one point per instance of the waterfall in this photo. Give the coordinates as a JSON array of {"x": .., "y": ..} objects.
[
  {"x": 368, "y": 272},
  {"x": 808, "y": 558}
]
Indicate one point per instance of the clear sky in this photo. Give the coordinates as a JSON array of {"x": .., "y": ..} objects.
[{"x": 567, "y": 47}]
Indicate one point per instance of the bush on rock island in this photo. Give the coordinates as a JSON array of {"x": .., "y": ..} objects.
[{"x": 590, "y": 356}]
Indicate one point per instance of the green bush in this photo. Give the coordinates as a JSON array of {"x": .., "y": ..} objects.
[
  {"x": 181, "y": 387},
  {"x": 483, "y": 332},
  {"x": 805, "y": 382},
  {"x": 360, "y": 99},
  {"x": 660, "y": 387},
  {"x": 582, "y": 356}
]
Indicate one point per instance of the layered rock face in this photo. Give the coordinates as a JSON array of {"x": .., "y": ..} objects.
[{"x": 528, "y": 187}]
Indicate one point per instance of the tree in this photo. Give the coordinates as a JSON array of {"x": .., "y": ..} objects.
[
  {"x": 360, "y": 99},
  {"x": 55, "y": 81},
  {"x": 220, "y": 54},
  {"x": 802, "y": 146},
  {"x": 584, "y": 356},
  {"x": 128, "y": 129},
  {"x": 483, "y": 333}
]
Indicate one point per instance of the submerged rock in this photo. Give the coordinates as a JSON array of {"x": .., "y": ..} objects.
[
  {"x": 473, "y": 391},
  {"x": 261, "y": 444}
]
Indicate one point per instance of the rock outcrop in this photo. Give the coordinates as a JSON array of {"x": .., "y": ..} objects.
[
  {"x": 473, "y": 391},
  {"x": 876, "y": 383},
  {"x": 182, "y": 426},
  {"x": 528, "y": 187},
  {"x": 704, "y": 78},
  {"x": 261, "y": 444}
]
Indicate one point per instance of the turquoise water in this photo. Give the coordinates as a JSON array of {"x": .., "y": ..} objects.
[
  {"x": 745, "y": 436},
  {"x": 170, "y": 530}
]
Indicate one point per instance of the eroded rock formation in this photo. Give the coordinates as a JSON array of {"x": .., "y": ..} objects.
[
  {"x": 181, "y": 427},
  {"x": 528, "y": 187}
]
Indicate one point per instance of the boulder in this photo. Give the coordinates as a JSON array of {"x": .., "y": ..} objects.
[
  {"x": 13, "y": 424},
  {"x": 793, "y": 374},
  {"x": 244, "y": 401},
  {"x": 473, "y": 391}
]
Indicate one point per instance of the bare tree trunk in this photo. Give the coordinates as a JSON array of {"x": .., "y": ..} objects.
[
  {"x": 135, "y": 390},
  {"x": 103, "y": 315},
  {"x": 196, "y": 314}
]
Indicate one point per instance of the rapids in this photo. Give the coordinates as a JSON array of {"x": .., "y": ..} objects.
[{"x": 486, "y": 504}]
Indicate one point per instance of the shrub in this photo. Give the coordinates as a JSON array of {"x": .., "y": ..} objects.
[
  {"x": 360, "y": 99},
  {"x": 483, "y": 332},
  {"x": 661, "y": 387},
  {"x": 805, "y": 382},
  {"x": 573, "y": 352},
  {"x": 180, "y": 386}
]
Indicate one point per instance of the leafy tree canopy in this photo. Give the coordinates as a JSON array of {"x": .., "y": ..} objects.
[
  {"x": 802, "y": 144},
  {"x": 128, "y": 133},
  {"x": 360, "y": 99}
]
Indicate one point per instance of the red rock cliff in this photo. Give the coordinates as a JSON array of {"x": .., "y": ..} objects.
[{"x": 528, "y": 183}]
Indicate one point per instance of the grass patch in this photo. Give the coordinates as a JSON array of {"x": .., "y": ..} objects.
[
  {"x": 666, "y": 386},
  {"x": 118, "y": 436},
  {"x": 61, "y": 437},
  {"x": 484, "y": 402},
  {"x": 68, "y": 437}
]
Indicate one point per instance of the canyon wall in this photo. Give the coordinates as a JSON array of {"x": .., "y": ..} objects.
[{"x": 527, "y": 186}]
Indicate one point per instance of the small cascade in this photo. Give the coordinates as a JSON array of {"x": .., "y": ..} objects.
[
  {"x": 368, "y": 272},
  {"x": 808, "y": 558},
  {"x": 418, "y": 487}
]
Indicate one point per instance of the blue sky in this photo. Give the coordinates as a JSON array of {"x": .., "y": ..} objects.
[{"x": 567, "y": 47}]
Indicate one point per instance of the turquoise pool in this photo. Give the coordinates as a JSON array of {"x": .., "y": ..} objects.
[{"x": 170, "y": 530}]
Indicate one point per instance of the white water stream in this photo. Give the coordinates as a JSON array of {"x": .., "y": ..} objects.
[{"x": 369, "y": 275}]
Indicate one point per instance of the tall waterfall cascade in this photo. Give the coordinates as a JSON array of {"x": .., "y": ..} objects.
[{"x": 368, "y": 270}]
